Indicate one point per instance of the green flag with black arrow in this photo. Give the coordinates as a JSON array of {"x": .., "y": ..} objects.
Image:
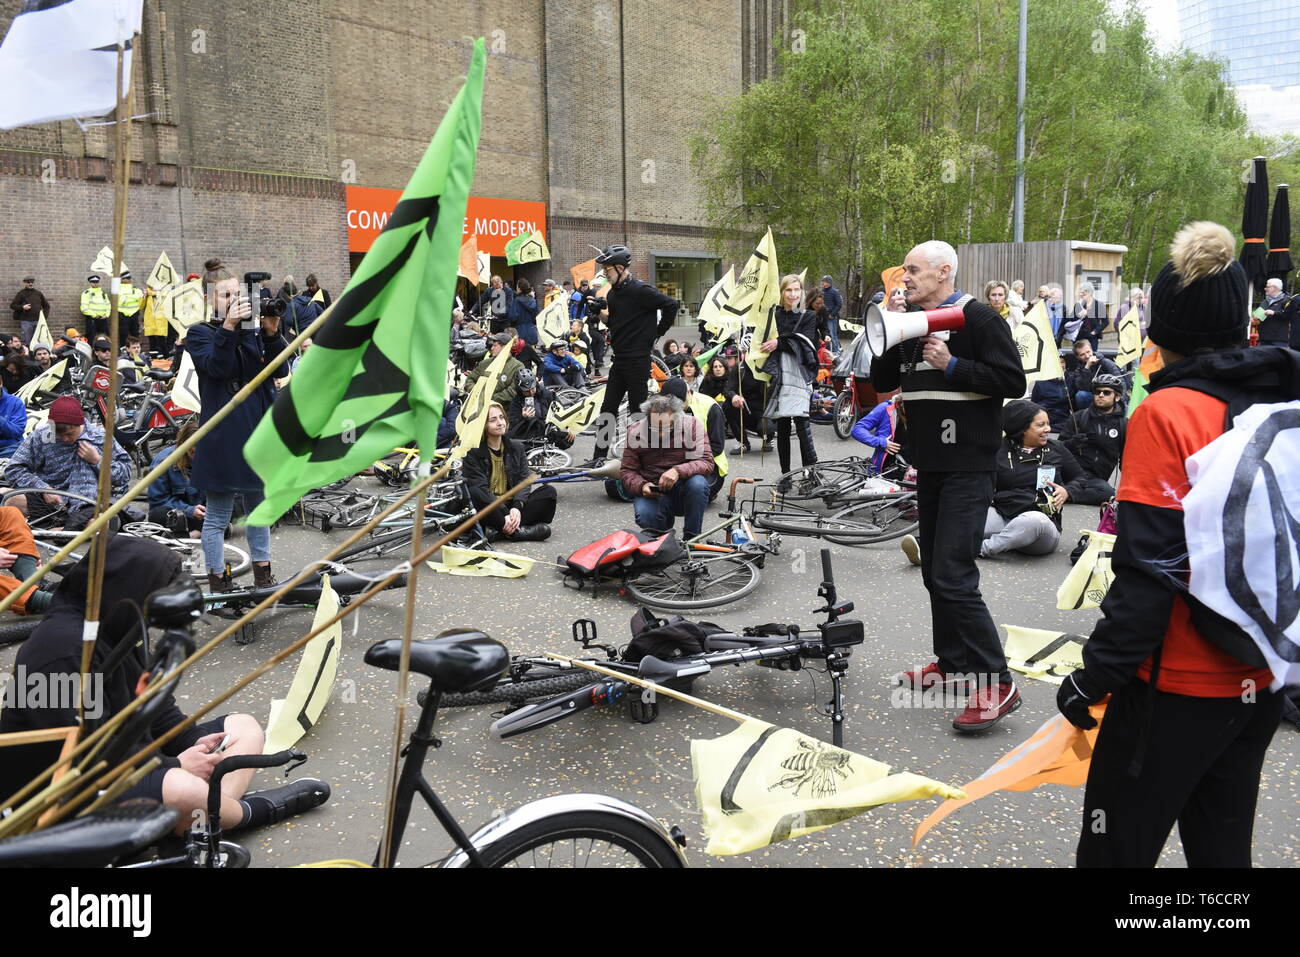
[{"x": 375, "y": 376}]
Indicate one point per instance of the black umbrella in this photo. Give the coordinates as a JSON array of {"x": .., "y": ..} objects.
[
  {"x": 1254, "y": 219},
  {"x": 1279, "y": 237}
]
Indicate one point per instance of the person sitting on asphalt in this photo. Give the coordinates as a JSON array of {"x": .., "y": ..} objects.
[
  {"x": 64, "y": 455},
  {"x": 504, "y": 390},
  {"x": 173, "y": 501},
  {"x": 1095, "y": 436},
  {"x": 18, "y": 561},
  {"x": 1051, "y": 394},
  {"x": 744, "y": 408},
  {"x": 528, "y": 411},
  {"x": 1088, "y": 364},
  {"x": 880, "y": 429},
  {"x": 133, "y": 568},
  {"x": 666, "y": 466},
  {"x": 13, "y": 422},
  {"x": 494, "y": 467},
  {"x": 561, "y": 369},
  {"x": 704, "y": 410},
  {"x": 1031, "y": 485}
]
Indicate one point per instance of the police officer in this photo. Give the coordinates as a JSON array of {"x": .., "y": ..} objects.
[
  {"x": 636, "y": 314},
  {"x": 95, "y": 308},
  {"x": 129, "y": 301}
]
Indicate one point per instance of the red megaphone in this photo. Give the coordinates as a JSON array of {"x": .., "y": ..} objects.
[{"x": 884, "y": 330}]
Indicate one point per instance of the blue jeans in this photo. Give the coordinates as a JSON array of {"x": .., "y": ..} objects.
[
  {"x": 688, "y": 498},
  {"x": 220, "y": 506},
  {"x": 833, "y": 327}
]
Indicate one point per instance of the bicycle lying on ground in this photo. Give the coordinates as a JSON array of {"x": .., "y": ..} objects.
[
  {"x": 540, "y": 690},
  {"x": 572, "y": 830}
]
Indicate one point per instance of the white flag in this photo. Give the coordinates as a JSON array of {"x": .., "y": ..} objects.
[
  {"x": 1243, "y": 537},
  {"x": 59, "y": 59}
]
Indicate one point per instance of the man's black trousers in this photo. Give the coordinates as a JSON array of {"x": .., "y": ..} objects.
[
  {"x": 953, "y": 507},
  {"x": 1199, "y": 766},
  {"x": 625, "y": 379}
]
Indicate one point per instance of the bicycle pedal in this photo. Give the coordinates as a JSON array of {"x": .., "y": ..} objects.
[
  {"x": 642, "y": 712},
  {"x": 247, "y": 635}
]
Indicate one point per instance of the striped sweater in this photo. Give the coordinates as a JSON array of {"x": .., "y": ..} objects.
[{"x": 954, "y": 415}]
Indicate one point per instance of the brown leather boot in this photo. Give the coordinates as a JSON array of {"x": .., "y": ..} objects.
[
  {"x": 262, "y": 577},
  {"x": 216, "y": 585}
]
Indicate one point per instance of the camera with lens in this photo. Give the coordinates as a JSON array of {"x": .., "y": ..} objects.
[
  {"x": 595, "y": 306},
  {"x": 273, "y": 307},
  {"x": 251, "y": 279}
]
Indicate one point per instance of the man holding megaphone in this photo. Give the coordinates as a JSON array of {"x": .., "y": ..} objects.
[{"x": 956, "y": 362}]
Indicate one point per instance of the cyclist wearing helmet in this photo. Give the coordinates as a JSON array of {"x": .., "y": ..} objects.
[
  {"x": 1096, "y": 437},
  {"x": 636, "y": 314},
  {"x": 1088, "y": 364}
]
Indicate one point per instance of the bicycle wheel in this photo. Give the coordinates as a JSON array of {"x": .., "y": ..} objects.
[
  {"x": 822, "y": 480},
  {"x": 846, "y": 531},
  {"x": 547, "y": 458},
  {"x": 893, "y": 517},
  {"x": 842, "y": 414},
  {"x": 692, "y": 583},
  {"x": 526, "y": 689},
  {"x": 582, "y": 839}
]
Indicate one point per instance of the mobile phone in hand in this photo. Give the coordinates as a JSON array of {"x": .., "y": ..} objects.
[{"x": 220, "y": 745}]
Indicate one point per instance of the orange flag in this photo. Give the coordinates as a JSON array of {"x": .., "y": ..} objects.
[
  {"x": 468, "y": 266},
  {"x": 583, "y": 271},
  {"x": 893, "y": 279},
  {"x": 1152, "y": 360},
  {"x": 1057, "y": 753}
]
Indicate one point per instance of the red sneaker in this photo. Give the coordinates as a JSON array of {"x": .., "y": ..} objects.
[
  {"x": 931, "y": 676},
  {"x": 987, "y": 707}
]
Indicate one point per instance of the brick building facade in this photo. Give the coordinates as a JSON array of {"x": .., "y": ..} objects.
[{"x": 256, "y": 117}]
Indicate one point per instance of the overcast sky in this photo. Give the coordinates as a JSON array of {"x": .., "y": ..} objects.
[{"x": 1270, "y": 110}]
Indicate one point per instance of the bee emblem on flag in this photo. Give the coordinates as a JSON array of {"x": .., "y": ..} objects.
[{"x": 816, "y": 765}]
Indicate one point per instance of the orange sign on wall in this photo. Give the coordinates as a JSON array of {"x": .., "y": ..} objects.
[{"x": 495, "y": 221}]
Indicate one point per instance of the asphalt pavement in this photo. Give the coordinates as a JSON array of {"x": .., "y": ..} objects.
[{"x": 600, "y": 750}]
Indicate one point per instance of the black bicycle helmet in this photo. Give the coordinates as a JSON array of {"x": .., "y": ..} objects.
[
  {"x": 615, "y": 256},
  {"x": 525, "y": 380},
  {"x": 1106, "y": 380}
]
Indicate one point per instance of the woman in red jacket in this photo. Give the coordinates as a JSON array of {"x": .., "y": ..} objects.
[{"x": 1190, "y": 751}]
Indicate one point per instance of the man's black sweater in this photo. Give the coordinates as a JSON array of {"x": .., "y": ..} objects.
[
  {"x": 638, "y": 315},
  {"x": 954, "y": 416}
]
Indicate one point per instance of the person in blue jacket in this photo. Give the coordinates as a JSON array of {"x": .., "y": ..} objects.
[
  {"x": 226, "y": 357},
  {"x": 13, "y": 422},
  {"x": 523, "y": 312},
  {"x": 561, "y": 369},
  {"x": 879, "y": 429},
  {"x": 173, "y": 491}
]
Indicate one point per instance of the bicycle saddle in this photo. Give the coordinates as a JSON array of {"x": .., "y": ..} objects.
[
  {"x": 461, "y": 661},
  {"x": 175, "y": 606},
  {"x": 96, "y": 840}
]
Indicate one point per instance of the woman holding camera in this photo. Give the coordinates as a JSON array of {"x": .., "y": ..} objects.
[
  {"x": 1034, "y": 473},
  {"x": 228, "y": 351}
]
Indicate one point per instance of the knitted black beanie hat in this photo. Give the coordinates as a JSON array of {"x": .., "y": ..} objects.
[
  {"x": 1017, "y": 415},
  {"x": 1198, "y": 301}
]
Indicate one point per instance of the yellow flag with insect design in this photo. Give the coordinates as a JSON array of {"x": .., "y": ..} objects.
[
  {"x": 480, "y": 564},
  {"x": 576, "y": 417},
  {"x": 761, "y": 784},
  {"x": 1046, "y": 655},
  {"x": 1089, "y": 580}
]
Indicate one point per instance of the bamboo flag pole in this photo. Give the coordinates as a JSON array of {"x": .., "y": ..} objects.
[
  {"x": 98, "y": 547},
  {"x": 657, "y": 688},
  {"x": 107, "y": 515},
  {"x": 110, "y": 775},
  {"x": 109, "y": 726},
  {"x": 403, "y": 673}
]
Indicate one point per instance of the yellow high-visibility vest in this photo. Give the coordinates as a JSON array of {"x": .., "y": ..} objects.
[
  {"x": 129, "y": 299},
  {"x": 699, "y": 406},
  {"x": 94, "y": 303}
]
